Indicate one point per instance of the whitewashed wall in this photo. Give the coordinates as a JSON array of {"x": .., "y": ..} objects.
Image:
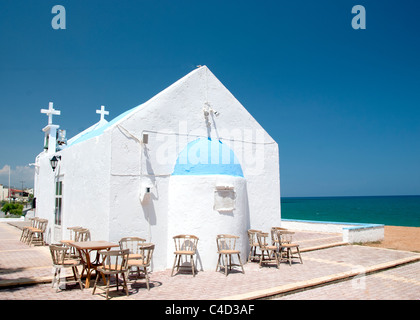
[
  {"x": 84, "y": 169},
  {"x": 191, "y": 202},
  {"x": 44, "y": 193}
]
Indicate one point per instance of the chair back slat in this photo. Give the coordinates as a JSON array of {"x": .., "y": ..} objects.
[
  {"x": 35, "y": 222},
  {"x": 115, "y": 260},
  {"x": 58, "y": 254},
  {"x": 274, "y": 234},
  {"x": 262, "y": 238},
  {"x": 81, "y": 235},
  {"x": 42, "y": 224},
  {"x": 226, "y": 242},
  {"x": 284, "y": 237},
  {"x": 132, "y": 244},
  {"x": 185, "y": 242},
  {"x": 252, "y": 236},
  {"x": 146, "y": 254},
  {"x": 73, "y": 231}
]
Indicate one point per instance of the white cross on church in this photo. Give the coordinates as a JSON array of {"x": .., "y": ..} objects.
[
  {"x": 50, "y": 112},
  {"x": 102, "y": 112}
]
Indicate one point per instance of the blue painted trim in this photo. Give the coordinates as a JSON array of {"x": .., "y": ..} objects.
[
  {"x": 205, "y": 156},
  {"x": 100, "y": 130},
  {"x": 366, "y": 226}
]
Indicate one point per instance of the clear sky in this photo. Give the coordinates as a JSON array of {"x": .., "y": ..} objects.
[{"x": 342, "y": 104}]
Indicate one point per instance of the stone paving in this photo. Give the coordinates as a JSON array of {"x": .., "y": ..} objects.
[
  {"x": 402, "y": 283},
  {"x": 338, "y": 272}
]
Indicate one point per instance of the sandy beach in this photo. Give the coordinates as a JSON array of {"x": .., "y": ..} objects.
[{"x": 400, "y": 238}]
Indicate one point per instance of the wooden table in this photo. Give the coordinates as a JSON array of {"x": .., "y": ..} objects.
[
  {"x": 85, "y": 248},
  {"x": 67, "y": 242}
]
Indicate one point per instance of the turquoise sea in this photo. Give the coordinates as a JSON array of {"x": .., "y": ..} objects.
[{"x": 388, "y": 210}]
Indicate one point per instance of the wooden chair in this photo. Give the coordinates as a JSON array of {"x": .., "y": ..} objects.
[
  {"x": 25, "y": 230},
  {"x": 142, "y": 263},
  {"x": 268, "y": 252},
  {"x": 133, "y": 244},
  {"x": 286, "y": 245},
  {"x": 73, "y": 231},
  {"x": 60, "y": 261},
  {"x": 115, "y": 262},
  {"x": 81, "y": 235},
  {"x": 72, "y": 253},
  {"x": 226, "y": 248},
  {"x": 185, "y": 245},
  {"x": 274, "y": 238},
  {"x": 253, "y": 244},
  {"x": 36, "y": 235}
]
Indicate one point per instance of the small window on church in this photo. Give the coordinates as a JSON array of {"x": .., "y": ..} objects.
[
  {"x": 224, "y": 199},
  {"x": 58, "y": 201}
]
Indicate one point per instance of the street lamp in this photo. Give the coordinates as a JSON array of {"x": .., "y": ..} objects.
[{"x": 54, "y": 161}]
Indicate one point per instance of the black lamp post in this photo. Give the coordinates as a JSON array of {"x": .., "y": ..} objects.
[{"x": 54, "y": 162}]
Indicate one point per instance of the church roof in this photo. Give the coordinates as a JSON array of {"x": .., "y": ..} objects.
[
  {"x": 84, "y": 132},
  {"x": 97, "y": 129},
  {"x": 186, "y": 81}
]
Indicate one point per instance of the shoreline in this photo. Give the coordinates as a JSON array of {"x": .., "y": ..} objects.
[{"x": 399, "y": 238}]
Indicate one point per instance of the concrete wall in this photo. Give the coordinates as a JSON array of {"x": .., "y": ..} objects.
[
  {"x": 363, "y": 233},
  {"x": 352, "y": 232}
]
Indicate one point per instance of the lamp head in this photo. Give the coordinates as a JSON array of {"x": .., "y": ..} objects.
[{"x": 54, "y": 162}]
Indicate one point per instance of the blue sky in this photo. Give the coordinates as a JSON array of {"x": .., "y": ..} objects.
[{"x": 342, "y": 104}]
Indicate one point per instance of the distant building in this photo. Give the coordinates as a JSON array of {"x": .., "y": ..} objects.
[
  {"x": 15, "y": 194},
  {"x": 4, "y": 193}
]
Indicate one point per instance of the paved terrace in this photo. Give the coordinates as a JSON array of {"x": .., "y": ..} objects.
[{"x": 330, "y": 270}]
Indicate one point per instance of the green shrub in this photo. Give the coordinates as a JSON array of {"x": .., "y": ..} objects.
[{"x": 13, "y": 208}]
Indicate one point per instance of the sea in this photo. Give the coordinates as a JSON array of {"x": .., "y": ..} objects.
[{"x": 387, "y": 210}]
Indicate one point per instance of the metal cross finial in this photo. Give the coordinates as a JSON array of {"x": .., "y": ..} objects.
[
  {"x": 102, "y": 112},
  {"x": 50, "y": 112}
]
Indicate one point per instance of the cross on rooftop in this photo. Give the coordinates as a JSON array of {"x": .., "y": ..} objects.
[
  {"x": 50, "y": 112},
  {"x": 102, "y": 112}
]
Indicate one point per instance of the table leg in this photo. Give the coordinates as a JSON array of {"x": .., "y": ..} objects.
[
  {"x": 96, "y": 262},
  {"x": 87, "y": 285},
  {"x": 85, "y": 256},
  {"x": 89, "y": 268}
]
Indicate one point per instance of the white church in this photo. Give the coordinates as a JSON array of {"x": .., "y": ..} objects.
[{"x": 191, "y": 160}]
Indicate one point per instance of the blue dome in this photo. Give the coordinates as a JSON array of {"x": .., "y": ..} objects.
[{"x": 205, "y": 157}]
